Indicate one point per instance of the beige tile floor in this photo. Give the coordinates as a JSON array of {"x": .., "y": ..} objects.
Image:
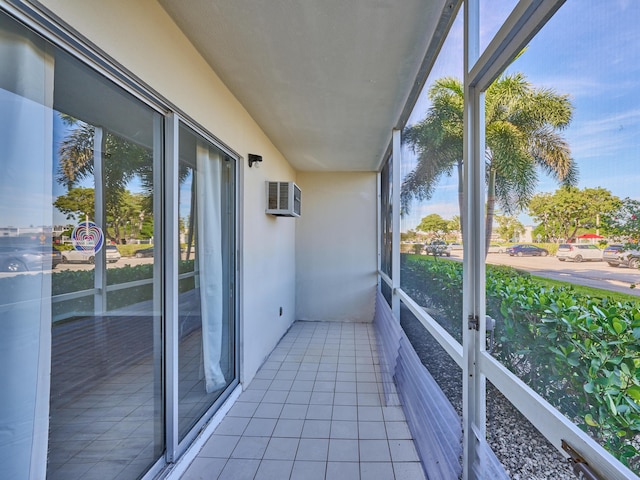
[{"x": 315, "y": 410}]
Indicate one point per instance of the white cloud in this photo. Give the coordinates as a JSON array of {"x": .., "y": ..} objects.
[{"x": 613, "y": 135}]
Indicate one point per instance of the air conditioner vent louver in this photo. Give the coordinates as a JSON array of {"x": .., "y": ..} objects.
[
  {"x": 272, "y": 196},
  {"x": 284, "y": 196},
  {"x": 283, "y": 199}
]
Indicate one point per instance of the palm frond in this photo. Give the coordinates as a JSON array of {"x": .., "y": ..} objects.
[
  {"x": 552, "y": 152},
  {"x": 75, "y": 155},
  {"x": 523, "y": 133}
]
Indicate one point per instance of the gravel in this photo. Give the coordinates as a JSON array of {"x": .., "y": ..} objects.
[{"x": 522, "y": 450}]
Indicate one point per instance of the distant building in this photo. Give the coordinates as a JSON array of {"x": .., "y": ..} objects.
[
  {"x": 25, "y": 231},
  {"x": 9, "y": 231}
]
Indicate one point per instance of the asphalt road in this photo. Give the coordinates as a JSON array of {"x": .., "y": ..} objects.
[
  {"x": 590, "y": 274},
  {"x": 85, "y": 266}
]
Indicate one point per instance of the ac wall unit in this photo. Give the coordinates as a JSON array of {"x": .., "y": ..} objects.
[{"x": 283, "y": 199}]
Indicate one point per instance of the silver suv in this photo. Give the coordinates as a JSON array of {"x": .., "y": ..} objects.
[
  {"x": 617, "y": 254},
  {"x": 578, "y": 252},
  {"x": 438, "y": 248}
]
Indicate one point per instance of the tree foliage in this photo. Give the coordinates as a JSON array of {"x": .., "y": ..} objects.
[
  {"x": 523, "y": 126},
  {"x": 126, "y": 215},
  {"x": 122, "y": 161},
  {"x": 624, "y": 221},
  {"x": 77, "y": 203},
  {"x": 509, "y": 227},
  {"x": 562, "y": 213},
  {"x": 433, "y": 224},
  {"x": 454, "y": 224},
  {"x": 408, "y": 236}
]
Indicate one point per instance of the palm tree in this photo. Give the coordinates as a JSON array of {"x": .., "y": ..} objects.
[
  {"x": 123, "y": 161},
  {"x": 523, "y": 126}
]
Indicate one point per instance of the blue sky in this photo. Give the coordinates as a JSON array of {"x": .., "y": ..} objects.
[
  {"x": 24, "y": 141},
  {"x": 590, "y": 51}
]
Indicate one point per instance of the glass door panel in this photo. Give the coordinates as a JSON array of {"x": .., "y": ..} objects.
[
  {"x": 562, "y": 264},
  {"x": 106, "y": 406},
  {"x": 206, "y": 302}
]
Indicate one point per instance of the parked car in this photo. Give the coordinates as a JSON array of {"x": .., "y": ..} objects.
[
  {"x": 495, "y": 248},
  {"x": 617, "y": 254},
  {"x": 28, "y": 258},
  {"x": 112, "y": 253},
  {"x": 78, "y": 256},
  {"x": 56, "y": 257},
  {"x": 438, "y": 248},
  {"x": 523, "y": 250},
  {"x": 578, "y": 252},
  {"x": 145, "y": 252},
  {"x": 81, "y": 256}
]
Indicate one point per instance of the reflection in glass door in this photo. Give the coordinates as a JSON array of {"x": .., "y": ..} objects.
[
  {"x": 106, "y": 405},
  {"x": 83, "y": 277},
  {"x": 81, "y": 323}
]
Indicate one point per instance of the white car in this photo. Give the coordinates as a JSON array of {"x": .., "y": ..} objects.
[
  {"x": 438, "y": 247},
  {"x": 578, "y": 252},
  {"x": 79, "y": 256},
  {"x": 495, "y": 248},
  {"x": 113, "y": 255}
]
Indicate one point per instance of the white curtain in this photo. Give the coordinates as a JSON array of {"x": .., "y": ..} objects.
[
  {"x": 209, "y": 258},
  {"x": 26, "y": 153}
]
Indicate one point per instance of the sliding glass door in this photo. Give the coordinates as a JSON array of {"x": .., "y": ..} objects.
[
  {"x": 206, "y": 331},
  {"x": 106, "y": 404},
  {"x": 86, "y": 295}
]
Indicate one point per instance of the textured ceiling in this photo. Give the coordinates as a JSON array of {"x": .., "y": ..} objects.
[{"x": 327, "y": 80}]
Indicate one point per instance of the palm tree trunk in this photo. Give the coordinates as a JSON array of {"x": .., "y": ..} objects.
[
  {"x": 461, "y": 205},
  {"x": 491, "y": 205}
]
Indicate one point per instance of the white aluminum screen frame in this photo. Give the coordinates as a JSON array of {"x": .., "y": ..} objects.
[{"x": 527, "y": 18}]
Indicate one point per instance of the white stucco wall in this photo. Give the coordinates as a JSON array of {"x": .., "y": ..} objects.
[
  {"x": 140, "y": 36},
  {"x": 318, "y": 267},
  {"x": 336, "y": 247}
]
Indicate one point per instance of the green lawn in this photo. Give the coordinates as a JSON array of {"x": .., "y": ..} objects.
[
  {"x": 579, "y": 289},
  {"x": 593, "y": 292}
]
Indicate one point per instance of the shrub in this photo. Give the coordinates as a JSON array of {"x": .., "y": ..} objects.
[
  {"x": 580, "y": 352},
  {"x": 27, "y": 287}
]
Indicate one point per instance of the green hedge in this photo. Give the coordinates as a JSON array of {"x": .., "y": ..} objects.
[
  {"x": 125, "y": 250},
  {"x": 580, "y": 352},
  {"x": 72, "y": 281},
  {"x": 27, "y": 287}
]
